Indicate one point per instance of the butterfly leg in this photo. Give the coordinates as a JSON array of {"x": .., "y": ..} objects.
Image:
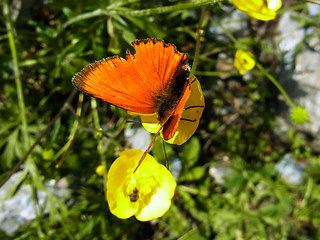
[{"x": 150, "y": 145}]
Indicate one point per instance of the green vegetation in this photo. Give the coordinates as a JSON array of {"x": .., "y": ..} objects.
[{"x": 48, "y": 131}]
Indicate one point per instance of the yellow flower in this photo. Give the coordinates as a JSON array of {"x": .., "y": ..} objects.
[
  {"x": 244, "y": 61},
  {"x": 189, "y": 120},
  {"x": 260, "y": 9},
  {"x": 145, "y": 193},
  {"x": 101, "y": 169}
]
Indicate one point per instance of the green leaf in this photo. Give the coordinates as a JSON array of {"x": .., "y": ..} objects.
[
  {"x": 128, "y": 36},
  {"x": 152, "y": 29},
  {"x": 68, "y": 12},
  {"x": 190, "y": 153},
  {"x": 47, "y": 154},
  {"x": 193, "y": 174},
  {"x": 9, "y": 152},
  {"x": 160, "y": 152}
]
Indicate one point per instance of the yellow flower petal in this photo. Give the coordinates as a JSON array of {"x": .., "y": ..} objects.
[
  {"x": 161, "y": 200},
  {"x": 146, "y": 193},
  {"x": 244, "y": 61},
  {"x": 120, "y": 204},
  {"x": 150, "y": 122},
  {"x": 157, "y": 207},
  {"x": 189, "y": 120},
  {"x": 259, "y": 9}
]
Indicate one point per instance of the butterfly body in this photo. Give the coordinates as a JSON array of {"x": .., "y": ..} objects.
[
  {"x": 153, "y": 80},
  {"x": 169, "y": 100}
]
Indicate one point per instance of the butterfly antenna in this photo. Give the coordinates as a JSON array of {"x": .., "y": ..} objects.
[{"x": 150, "y": 145}]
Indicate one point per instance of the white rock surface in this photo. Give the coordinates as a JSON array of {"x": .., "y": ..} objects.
[{"x": 19, "y": 210}]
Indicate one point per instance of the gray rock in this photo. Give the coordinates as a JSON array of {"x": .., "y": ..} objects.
[
  {"x": 137, "y": 137},
  {"x": 313, "y": 9},
  {"x": 175, "y": 168},
  {"x": 19, "y": 210},
  {"x": 290, "y": 169},
  {"x": 235, "y": 21},
  {"x": 289, "y": 35},
  {"x": 299, "y": 48}
]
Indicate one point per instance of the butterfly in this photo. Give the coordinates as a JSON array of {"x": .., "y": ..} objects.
[{"x": 155, "y": 79}]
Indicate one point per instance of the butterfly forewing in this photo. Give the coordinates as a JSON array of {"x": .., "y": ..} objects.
[
  {"x": 110, "y": 80},
  {"x": 158, "y": 61}
]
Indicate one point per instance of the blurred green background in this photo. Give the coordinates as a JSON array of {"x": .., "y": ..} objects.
[{"x": 230, "y": 182}]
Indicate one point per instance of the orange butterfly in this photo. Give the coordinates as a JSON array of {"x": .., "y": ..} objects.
[{"x": 153, "y": 80}]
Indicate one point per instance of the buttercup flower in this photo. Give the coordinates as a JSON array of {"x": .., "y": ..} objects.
[
  {"x": 299, "y": 115},
  {"x": 260, "y": 9},
  {"x": 243, "y": 61},
  {"x": 145, "y": 193},
  {"x": 189, "y": 120},
  {"x": 101, "y": 169}
]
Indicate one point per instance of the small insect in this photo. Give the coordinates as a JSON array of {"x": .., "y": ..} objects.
[{"x": 134, "y": 195}]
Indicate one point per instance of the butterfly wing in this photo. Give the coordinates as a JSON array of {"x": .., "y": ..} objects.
[
  {"x": 188, "y": 122},
  {"x": 171, "y": 125},
  {"x": 136, "y": 82}
]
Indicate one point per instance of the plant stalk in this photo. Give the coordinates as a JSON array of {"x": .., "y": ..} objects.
[
  {"x": 15, "y": 61},
  {"x": 97, "y": 125},
  {"x": 275, "y": 82},
  {"x": 198, "y": 42},
  {"x": 143, "y": 12}
]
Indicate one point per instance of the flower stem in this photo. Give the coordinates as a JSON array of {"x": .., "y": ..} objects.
[
  {"x": 264, "y": 71},
  {"x": 307, "y": 193},
  {"x": 275, "y": 82},
  {"x": 228, "y": 33},
  {"x": 74, "y": 131},
  {"x": 198, "y": 41},
  {"x": 97, "y": 125},
  {"x": 143, "y": 12},
  {"x": 10, "y": 33},
  {"x": 96, "y": 121}
]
